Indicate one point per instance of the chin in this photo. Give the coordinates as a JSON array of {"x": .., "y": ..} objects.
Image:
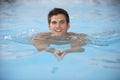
[{"x": 59, "y": 34}]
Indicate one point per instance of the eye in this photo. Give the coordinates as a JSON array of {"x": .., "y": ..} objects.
[
  {"x": 62, "y": 22},
  {"x": 53, "y": 22}
]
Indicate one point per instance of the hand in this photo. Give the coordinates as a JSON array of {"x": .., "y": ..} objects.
[{"x": 59, "y": 54}]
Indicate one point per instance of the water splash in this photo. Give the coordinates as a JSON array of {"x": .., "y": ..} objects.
[
  {"x": 23, "y": 37},
  {"x": 99, "y": 39}
]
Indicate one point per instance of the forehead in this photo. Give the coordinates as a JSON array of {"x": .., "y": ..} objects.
[{"x": 58, "y": 17}]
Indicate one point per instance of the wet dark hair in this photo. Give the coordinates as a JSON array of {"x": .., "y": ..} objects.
[{"x": 56, "y": 11}]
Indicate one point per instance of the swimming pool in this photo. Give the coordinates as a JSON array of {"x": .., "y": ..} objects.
[{"x": 21, "y": 61}]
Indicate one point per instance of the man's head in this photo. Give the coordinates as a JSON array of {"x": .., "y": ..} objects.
[{"x": 58, "y": 20}]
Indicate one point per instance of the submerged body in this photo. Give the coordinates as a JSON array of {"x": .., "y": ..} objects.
[{"x": 42, "y": 41}]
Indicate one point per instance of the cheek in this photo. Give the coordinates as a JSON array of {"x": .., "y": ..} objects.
[
  {"x": 50, "y": 28},
  {"x": 67, "y": 27}
]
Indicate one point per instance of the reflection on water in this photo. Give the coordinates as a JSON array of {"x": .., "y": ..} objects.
[
  {"x": 104, "y": 38},
  {"x": 99, "y": 19},
  {"x": 109, "y": 61},
  {"x": 54, "y": 70}
]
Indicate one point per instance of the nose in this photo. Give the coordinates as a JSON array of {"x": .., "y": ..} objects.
[{"x": 57, "y": 25}]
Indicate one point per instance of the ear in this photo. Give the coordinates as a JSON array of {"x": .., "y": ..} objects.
[
  {"x": 68, "y": 26},
  {"x": 49, "y": 26}
]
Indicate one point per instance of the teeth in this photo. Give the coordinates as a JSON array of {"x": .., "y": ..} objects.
[{"x": 58, "y": 30}]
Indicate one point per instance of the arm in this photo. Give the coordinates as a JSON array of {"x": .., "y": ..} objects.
[
  {"x": 40, "y": 44},
  {"x": 43, "y": 44},
  {"x": 74, "y": 49},
  {"x": 62, "y": 53},
  {"x": 76, "y": 44}
]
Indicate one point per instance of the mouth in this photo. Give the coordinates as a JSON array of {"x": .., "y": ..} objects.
[{"x": 58, "y": 30}]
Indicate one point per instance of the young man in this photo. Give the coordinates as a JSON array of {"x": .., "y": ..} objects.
[{"x": 59, "y": 23}]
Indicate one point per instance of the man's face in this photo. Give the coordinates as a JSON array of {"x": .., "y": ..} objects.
[{"x": 58, "y": 24}]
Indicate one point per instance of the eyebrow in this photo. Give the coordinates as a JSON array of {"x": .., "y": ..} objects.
[
  {"x": 53, "y": 21},
  {"x": 60, "y": 20}
]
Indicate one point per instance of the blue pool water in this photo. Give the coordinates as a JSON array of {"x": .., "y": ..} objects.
[{"x": 99, "y": 19}]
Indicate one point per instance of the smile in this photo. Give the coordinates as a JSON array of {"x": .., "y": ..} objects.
[{"x": 58, "y": 30}]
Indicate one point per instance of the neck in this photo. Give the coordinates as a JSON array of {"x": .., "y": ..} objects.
[
  {"x": 60, "y": 37},
  {"x": 66, "y": 34}
]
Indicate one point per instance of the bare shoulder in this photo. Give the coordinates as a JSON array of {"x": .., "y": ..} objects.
[
  {"x": 77, "y": 34},
  {"x": 82, "y": 35},
  {"x": 40, "y": 36},
  {"x": 72, "y": 34},
  {"x": 43, "y": 34}
]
